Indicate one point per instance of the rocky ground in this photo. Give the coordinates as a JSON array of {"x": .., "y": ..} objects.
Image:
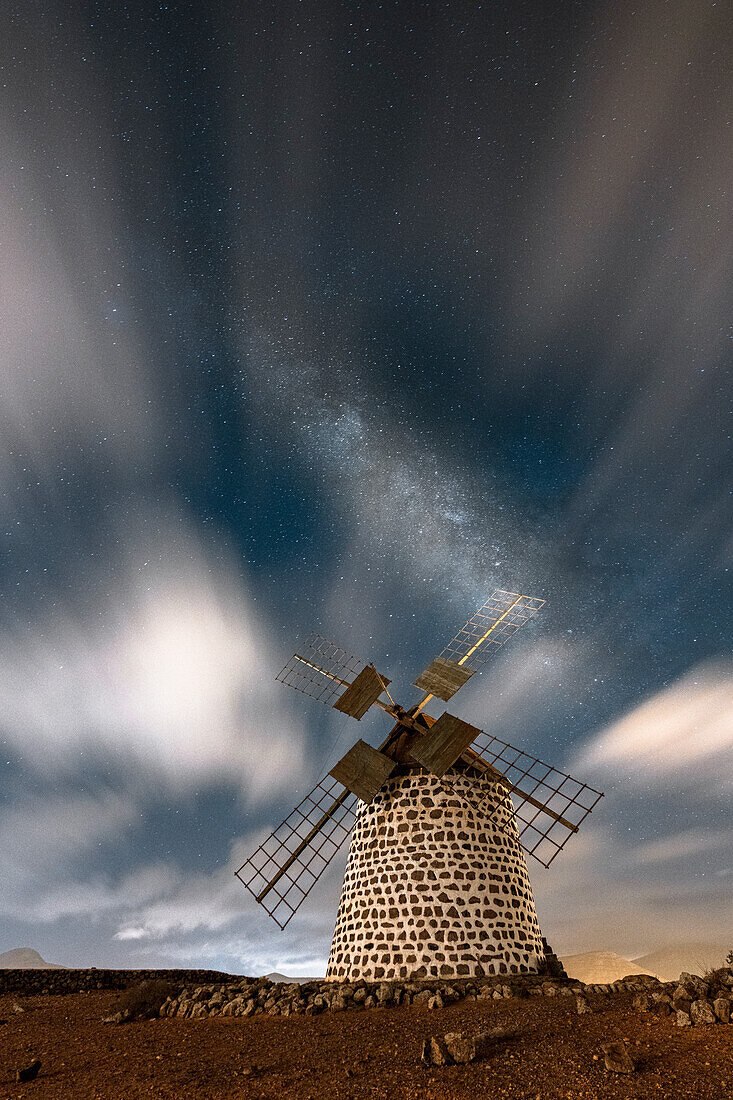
[{"x": 502, "y": 1038}]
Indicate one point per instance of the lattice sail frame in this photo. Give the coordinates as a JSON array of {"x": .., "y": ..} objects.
[
  {"x": 335, "y": 669},
  {"x": 284, "y": 899},
  {"x": 495, "y": 622},
  {"x": 540, "y": 834}
]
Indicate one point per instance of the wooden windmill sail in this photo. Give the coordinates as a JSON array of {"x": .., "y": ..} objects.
[{"x": 436, "y": 882}]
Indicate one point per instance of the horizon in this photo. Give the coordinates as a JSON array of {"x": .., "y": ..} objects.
[{"x": 332, "y": 319}]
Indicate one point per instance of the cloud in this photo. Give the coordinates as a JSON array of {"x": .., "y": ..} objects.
[
  {"x": 168, "y": 672},
  {"x": 38, "y": 838},
  {"x": 684, "y": 732},
  {"x": 691, "y": 842}
]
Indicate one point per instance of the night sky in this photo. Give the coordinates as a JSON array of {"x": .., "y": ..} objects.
[{"x": 337, "y": 316}]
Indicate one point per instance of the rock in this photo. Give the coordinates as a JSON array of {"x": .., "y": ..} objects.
[
  {"x": 384, "y": 994},
  {"x": 18, "y": 1008},
  {"x": 701, "y": 1012},
  {"x": 116, "y": 1018},
  {"x": 436, "y": 1001},
  {"x": 616, "y": 1057},
  {"x": 726, "y": 977},
  {"x": 435, "y": 1053},
  {"x": 640, "y": 1002},
  {"x": 683, "y": 1018},
  {"x": 465, "y": 1048},
  {"x": 694, "y": 984},
  {"x": 423, "y": 997},
  {"x": 370, "y": 1002},
  {"x": 29, "y": 1073},
  {"x": 721, "y": 1008},
  {"x": 360, "y": 995},
  {"x": 338, "y": 1004},
  {"x": 582, "y": 1006}
]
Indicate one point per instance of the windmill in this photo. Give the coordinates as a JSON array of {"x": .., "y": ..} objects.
[{"x": 436, "y": 882}]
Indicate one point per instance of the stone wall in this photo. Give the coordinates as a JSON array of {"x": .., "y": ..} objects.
[
  {"x": 31, "y": 981},
  {"x": 434, "y": 886}
]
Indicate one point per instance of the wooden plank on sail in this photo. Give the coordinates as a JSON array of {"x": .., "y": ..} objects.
[
  {"x": 363, "y": 770},
  {"x": 362, "y": 692},
  {"x": 443, "y": 678},
  {"x": 441, "y": 747}
]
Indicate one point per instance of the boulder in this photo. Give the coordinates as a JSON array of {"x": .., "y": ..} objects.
[
  {"x": 721, "y": 1008},
  {"x": 683, "y": 1018},
  {"x": 695, "y": 985},
  {"x": 464, "y": 1048},
  {"x": 616, "y": 1057},
  {"x": 436, "y": 1001},
  {"x": 661, "y": 1004},
  {"x": 701, "y": 1012},
  {"x": 435, "y": 1053},
  {"x": 582, "y": 1006}
]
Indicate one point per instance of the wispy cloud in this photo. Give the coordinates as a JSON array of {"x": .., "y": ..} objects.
[
  {"x": 691, "y": 842},
  {"x": 684, "y": 732}
]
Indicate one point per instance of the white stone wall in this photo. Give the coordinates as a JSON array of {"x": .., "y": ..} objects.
[{"x": 433, "y": 887}]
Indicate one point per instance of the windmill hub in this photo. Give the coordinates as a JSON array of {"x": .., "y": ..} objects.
[{"x": 436, "y": 883}]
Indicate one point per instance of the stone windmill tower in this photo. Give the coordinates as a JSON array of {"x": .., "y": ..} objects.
[{"x": 436, "y": 882}]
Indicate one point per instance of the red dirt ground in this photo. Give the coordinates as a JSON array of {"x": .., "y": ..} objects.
[{"x": 353, "y": 1055}]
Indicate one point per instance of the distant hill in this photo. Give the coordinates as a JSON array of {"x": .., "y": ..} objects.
[
  {"x": 601, "y": 967},
  {"x": 26, "y": 958},
  {"x": 694, "y": 957},
  {"x": 275, "y": 977}
]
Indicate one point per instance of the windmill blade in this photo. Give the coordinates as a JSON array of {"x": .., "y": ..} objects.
[
  {"x": 284, "y": 869},
  {"x": 363, "y": 770},
  {"x": 549, "y": 805},
  {"x": 495, "y": 622},
  {"x": 325, "y": 672}
]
